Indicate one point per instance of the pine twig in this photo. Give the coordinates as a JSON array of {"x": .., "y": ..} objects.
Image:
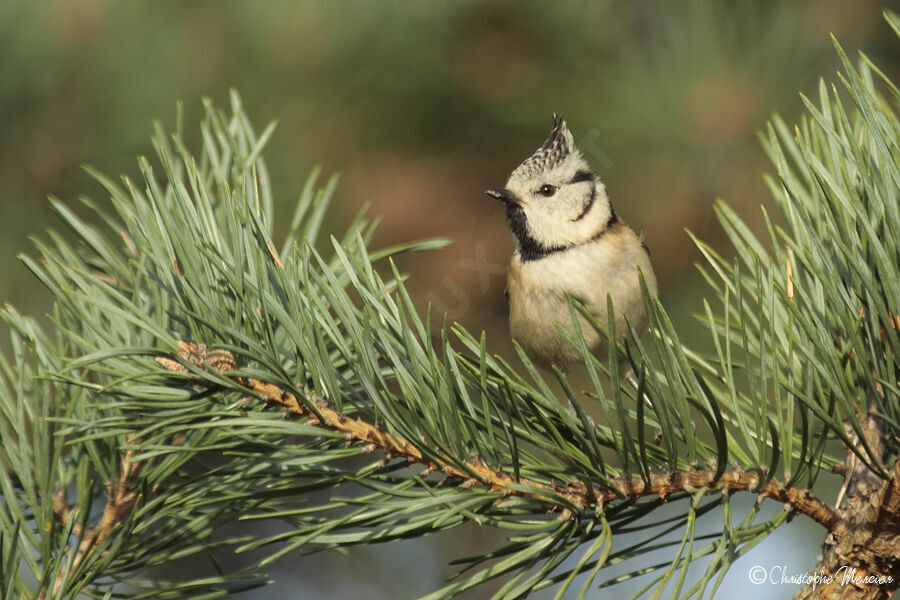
[
  {"x": 477, "y": 472},
  {"x": 862, "y": 550},
  {"x": 120, "y": 501}
]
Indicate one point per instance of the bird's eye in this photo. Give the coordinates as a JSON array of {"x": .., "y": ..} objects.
[{"x": 547, "y": 190}]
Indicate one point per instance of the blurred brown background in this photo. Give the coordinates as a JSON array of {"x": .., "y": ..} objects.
[{"x": 421, "y": 106}]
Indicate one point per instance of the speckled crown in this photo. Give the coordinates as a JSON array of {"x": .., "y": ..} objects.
[{"x": 557, "y": 148}]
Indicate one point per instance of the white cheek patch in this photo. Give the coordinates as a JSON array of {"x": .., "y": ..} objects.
[
  {"x": 547, "y": 225},
  {"x": 587, "y": 205},
  {"x": 568, "y": 220}
]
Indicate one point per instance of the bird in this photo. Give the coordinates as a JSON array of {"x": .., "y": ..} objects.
[{"x": 568, "y": 241}]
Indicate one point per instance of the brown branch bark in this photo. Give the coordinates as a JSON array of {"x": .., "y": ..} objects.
[
  {"x": 120, "y": 501},
  {"x": 863, "y": 536},
  {"x": 476, "y": 472},
  {"x": 862, "y": 549}
]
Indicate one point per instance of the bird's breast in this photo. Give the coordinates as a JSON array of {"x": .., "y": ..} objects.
[
  {"x": 591, "y": 273},
  {"x": 537, "y": 304}
]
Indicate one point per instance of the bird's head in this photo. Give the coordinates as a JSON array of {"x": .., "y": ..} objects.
[{"x": 553, "y": 199}]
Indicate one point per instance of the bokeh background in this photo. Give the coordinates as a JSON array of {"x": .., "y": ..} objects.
[{"x": 420, "y": 107}]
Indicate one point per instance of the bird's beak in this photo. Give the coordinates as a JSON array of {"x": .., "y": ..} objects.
[{"x": 503, "y": 195}]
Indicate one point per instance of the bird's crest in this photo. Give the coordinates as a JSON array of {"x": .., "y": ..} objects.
[{"x": 554, "y": 151}]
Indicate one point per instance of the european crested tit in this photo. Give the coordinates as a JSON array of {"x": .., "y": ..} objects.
[{"x": 568, "y": 240}]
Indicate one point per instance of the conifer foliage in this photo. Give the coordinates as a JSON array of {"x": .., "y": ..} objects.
[{"x": 197, "y": 371}]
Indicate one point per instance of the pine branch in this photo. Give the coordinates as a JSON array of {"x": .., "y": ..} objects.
[
  {"x": 577, "y": 495},
  {"x": 803, "y": 328},
  {"x": 121, "y": 498},
  {"x": 862, "y": 549}
]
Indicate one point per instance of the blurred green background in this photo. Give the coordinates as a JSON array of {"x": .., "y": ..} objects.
[{"x": 420, "y": 107}]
